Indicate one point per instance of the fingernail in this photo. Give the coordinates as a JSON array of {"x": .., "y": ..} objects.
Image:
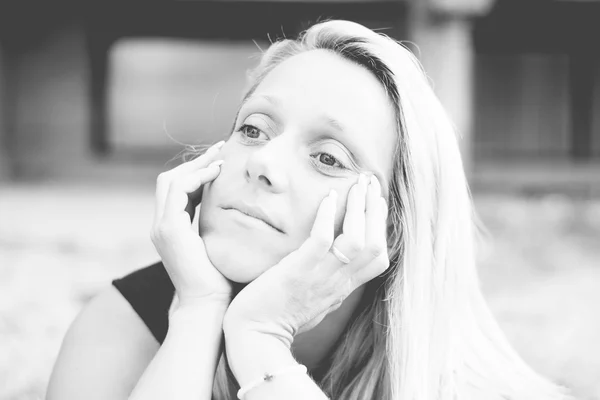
[
  {"x": 218, "y": 145},
  {"x": 216, "y": 163},
  {"x": 375, "y": 183}
]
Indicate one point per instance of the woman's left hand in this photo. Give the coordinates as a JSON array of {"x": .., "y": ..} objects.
[{"x": 309, "y": 283}]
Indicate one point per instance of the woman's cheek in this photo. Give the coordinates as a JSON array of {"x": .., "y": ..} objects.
[{"x": 234, "y": 158}]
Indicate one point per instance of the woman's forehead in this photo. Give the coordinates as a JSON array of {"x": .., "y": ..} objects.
[{"x": 330, "y": 82}]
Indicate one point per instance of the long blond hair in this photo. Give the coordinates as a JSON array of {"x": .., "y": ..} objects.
[{"x": 426, "y": 332}]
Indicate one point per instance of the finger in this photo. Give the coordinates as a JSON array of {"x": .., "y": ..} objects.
[
  {"x": 162, "y": 188},
  {"x": 195, "y": 197},
  {"x": 352, "y": 240},
  {"x": 180, "y": 189},
  {"x": 354, "y": 219},
  {"x": 372, "y": 208},
  {"x": 374, "y": 258},
  {"x": 205, "y": 159},
  {"x": 385, "y": 210},
  {"x": 322, "y": 232},
  {"x": 371, "y": 270},
  {"x": 163, "y": 182},
  {"x": 373, "y": 193},
  {"x": 362, "y": 244},
  {"x": 375, "y": 222},
  {"x": 194, "y": 200},
  {"x": 374, "y": 216},
  {"x": 202, "y": 161},
  {"x": 331, "y": 260}
]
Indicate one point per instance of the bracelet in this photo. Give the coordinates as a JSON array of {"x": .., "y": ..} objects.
[{"x": 269, "y": 377}]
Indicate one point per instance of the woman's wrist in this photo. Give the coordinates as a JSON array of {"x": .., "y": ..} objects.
[
  {"x": 194, "y": 303},
  {"x": 185, "y": 364},
  {"x": 239, "y": 328},
  {"x": 198, "y": 310},
  {"x": 253, "y": 355}
]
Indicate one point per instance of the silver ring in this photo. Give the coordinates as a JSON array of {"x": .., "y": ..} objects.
[{"x": 339, "y": 255}]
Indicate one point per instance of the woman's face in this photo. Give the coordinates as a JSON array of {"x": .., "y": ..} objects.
[{"x": 313, "y": 124}]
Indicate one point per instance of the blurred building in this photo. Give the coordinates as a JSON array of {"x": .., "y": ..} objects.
[{"x": 104, "y": 90}]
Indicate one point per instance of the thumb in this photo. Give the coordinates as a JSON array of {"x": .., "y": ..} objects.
[{"x": 321, "y": 235}]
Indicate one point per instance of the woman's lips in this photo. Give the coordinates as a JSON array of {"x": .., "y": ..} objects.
[{"x": 246, "y": 217}]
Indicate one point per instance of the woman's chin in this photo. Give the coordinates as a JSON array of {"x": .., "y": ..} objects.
[
  {"x": 240, "y": 265},
  {"x": 236, "y": 274}
]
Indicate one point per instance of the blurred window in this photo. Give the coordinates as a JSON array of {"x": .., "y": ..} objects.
[
  {"x": 190, "y": 87},
  {"x": 522, "y": 106},
  {"x": 596, "y": 115}
]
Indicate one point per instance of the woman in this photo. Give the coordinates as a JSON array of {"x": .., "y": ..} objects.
[{"x": 335, "y": 232}]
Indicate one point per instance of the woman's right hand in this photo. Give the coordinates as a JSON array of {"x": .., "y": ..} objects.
[{"x": 178, "y": 193}]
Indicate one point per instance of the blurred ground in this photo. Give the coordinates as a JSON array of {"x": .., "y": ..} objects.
[{"x": 60, "y": 245}]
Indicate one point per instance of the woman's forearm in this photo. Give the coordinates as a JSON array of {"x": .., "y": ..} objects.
[
  {"x": 184, "y": 367},
  {"x": 252, "y": 354}
]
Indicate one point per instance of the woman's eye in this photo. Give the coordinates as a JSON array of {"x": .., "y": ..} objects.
[
  {"x": 250, "y": 132},
  {"x": 328, "y": 161}
]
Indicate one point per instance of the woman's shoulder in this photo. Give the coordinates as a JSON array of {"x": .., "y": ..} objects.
[{"x": 110, "y": 341}]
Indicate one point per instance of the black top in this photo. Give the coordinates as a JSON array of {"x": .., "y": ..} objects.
[{"x": 150, "y": 292}]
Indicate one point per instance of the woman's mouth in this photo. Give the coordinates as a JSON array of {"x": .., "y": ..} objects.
[{"x": 250, "y": 217}]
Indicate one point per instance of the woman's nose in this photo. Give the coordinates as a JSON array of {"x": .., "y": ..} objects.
[{"x": 266, "y": 166}]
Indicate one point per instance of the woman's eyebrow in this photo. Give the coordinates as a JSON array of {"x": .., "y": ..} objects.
[
  {"x": 341, "y": 133},
  {"x": 274, "y": 101},
  {"x": 251, "y": 97}
]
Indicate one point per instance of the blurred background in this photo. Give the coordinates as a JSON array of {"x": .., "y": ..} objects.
[{"x": 97, "y": 97}]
